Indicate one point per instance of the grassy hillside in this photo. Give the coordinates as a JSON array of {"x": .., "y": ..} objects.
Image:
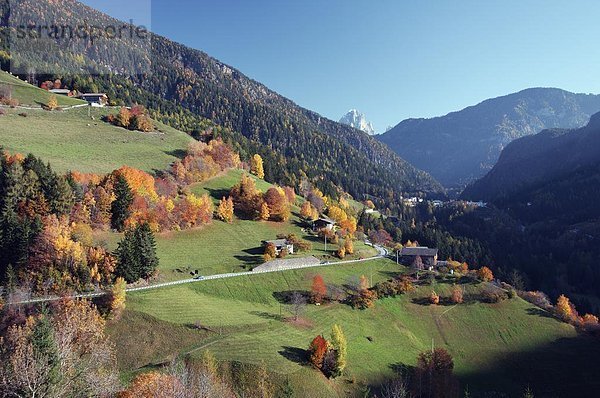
[
  {"x": 499, "y": 347},
  {"x": 221, "y": 247},
  {"x": 70, "y": 140},
  {"x": 29, "y": 95}
]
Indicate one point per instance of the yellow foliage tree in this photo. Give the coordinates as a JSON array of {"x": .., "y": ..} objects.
[
  {"x": 225, "y": 210},
  {"x": 341, "y": 252},
  {"x": 349, "y": 246},
  {"x": 257, "y": 167},
  {"x": 308, "y": 212},
  {"x": 337, "y": 214},
  {"x": 52, "y": 103},
  {"x": 117, "y": 297},
  {"x": 563, "y": 308},
  {"x": 264, "y": 212}
]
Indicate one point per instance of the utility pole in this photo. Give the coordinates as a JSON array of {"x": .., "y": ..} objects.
[
  {"x": 397, "y": 262},
  {"x": 325, "y": 235}
]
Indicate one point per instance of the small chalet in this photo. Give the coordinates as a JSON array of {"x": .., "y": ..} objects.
[
  {"x": 323, "y": 223},
  {"x": 280, "y": 244},
  {"x": 419, "y": 257},
  {"x": 95, "y": 99}
]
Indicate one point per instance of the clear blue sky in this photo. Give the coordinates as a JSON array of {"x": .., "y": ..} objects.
[{"x": 391, "y": 59}]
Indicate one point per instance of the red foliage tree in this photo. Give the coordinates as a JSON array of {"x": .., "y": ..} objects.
[
  {"x": 319, "y": 290},
  {"x": 317, "y": 351}
]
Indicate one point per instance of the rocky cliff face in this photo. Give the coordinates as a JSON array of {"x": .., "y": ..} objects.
[{"x": 357, "y": 120}]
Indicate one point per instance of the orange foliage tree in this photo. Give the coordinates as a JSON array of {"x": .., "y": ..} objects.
[
  {"x": 318, "y": 290},
  {"x": 485, "y": 274},
  {"x": 317, "y": 350},
  {"x": 457, "y": 295},
  {"x": 279, "y": 207}
]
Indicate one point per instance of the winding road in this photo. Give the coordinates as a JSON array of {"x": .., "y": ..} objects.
[{"x": 382, "y": 252}]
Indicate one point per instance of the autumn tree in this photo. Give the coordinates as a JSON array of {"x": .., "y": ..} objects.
[
  {"x": 434, "y": 298},
  {"x": 308, "y": 211},
  {"x": 317, "y": 199},
  {"x": 317, "y": 351},
  {"x": 349, "y": 246},
  {"x": 154, "y": 385},
  {"x": 485, "y": 274},
  {"x": 52, "y": 103},
  {"x": 364, "y": 297},
  {"x": 457, "y": 295},
  {"x": 337, "y": 214},
  {"x": 225, "y": 210},
  {"x": 341, "y": 252},
  {"x": 121, "y": 207},
  {"x": 62, "y": 353},
  {"x": 270, "y": 252},
  {"x": 123, "y": 118},
  {"x": 192, "y": 210},
  {"x": 117, "y": 297},
  {"x": 256, "y": 166},
  {"x": 265, "y": 214},
  {"x": 246, "y": 198},
  {"x": 434, "y": 375},
  {"x": 340, "y": 345},
  {"x": 563, "y": 308},
  {"x": 279, "y": 207},
  {"x": 318, "y": 290}
]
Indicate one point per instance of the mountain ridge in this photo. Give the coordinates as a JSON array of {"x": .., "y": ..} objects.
[
  {"x": 462, "y": 145},
  {"x": 310, "y": 145},
  {"x": 538, "y": 159}
]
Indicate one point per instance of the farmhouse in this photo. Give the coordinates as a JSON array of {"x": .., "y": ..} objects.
[
  {"x": 323, "y": 223},
  {"x": 419, "y": 257},
  {"x": 95, "y": 99},
  {"x": 280, "y": 244}
]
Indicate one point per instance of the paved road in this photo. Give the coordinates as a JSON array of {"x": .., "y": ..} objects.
[{"x": 381, "y": 253}]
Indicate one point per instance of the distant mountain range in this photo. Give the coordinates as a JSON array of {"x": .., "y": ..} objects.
[
  {"x": 462, "y": 146},
  {"x": 358, "y": 120},
  {"x": 297, "y": 142},
  {"x": 534, "y": 166}
]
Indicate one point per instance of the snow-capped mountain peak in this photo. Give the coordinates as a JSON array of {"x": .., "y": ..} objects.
[{"x": 357, "y": 120}]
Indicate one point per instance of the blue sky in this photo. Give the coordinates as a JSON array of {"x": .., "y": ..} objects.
[{"x": 391, "y": 59}]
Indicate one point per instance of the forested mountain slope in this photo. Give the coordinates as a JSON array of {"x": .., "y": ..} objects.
[
  {"x": 464, "y": 145},
  {"x": 305, "y": 144},
  {"x": 532, "y": 162}
]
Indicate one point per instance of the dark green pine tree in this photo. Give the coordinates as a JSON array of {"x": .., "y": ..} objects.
[
  {"x": 128, "y": 263},
  {"x": 120, "y": 208},
  {"x": 16, "y": 235},
  {"x": 146, "y": 250},
  {"x": 136, "y": 254},
  {"x": 59, "y": 194}
]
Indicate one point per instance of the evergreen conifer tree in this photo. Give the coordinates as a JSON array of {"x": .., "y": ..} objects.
[{"x": 120, "y": 208}]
